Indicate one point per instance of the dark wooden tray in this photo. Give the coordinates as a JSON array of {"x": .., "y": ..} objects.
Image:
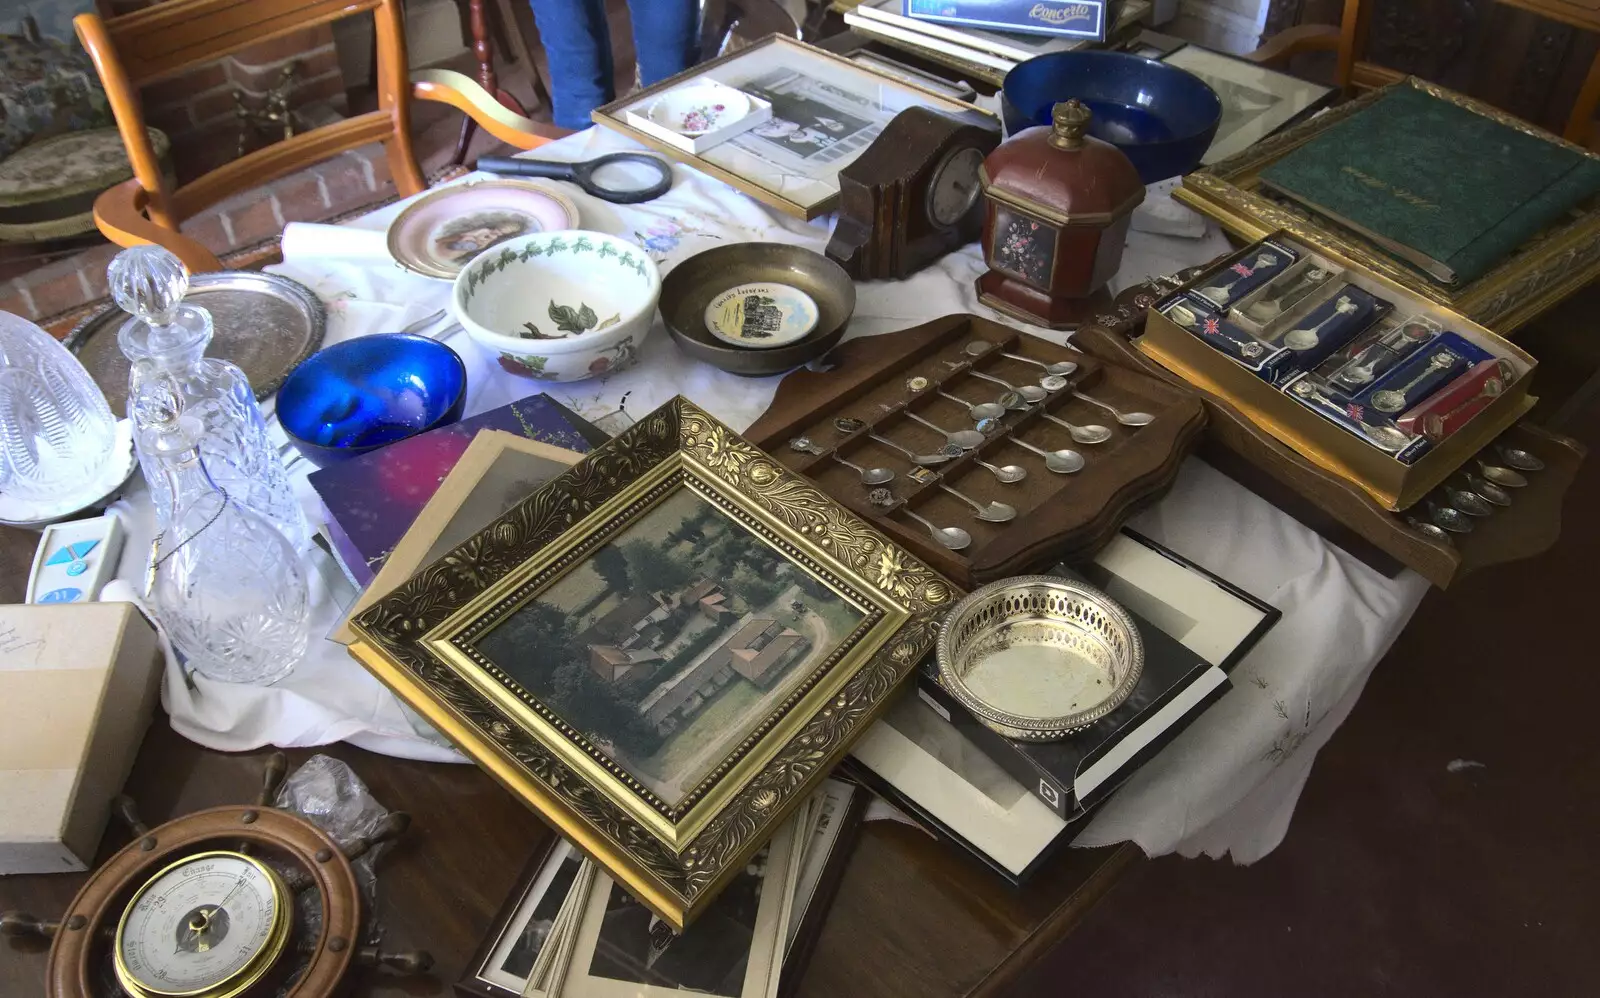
[
  {"x": 1339, "y": 510},
  {"x": 1060, "y": 517}
]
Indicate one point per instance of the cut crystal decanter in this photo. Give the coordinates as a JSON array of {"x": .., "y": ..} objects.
[
  {"x": 224, "y": 581},
  {"x": 171, "y": 378},
  {"x": 56, "y": 431}
]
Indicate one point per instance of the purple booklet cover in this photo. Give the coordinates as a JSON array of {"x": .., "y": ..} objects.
[{"x": 369, "y": 502}]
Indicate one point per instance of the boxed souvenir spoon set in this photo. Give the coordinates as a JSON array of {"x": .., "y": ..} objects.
[{"x": 1348, "y": 368}]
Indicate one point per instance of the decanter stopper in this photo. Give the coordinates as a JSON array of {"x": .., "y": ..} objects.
[{"x": 149, "y": 283}]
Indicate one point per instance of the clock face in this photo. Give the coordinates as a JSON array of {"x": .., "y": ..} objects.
[{"x": 954, "y": 186}]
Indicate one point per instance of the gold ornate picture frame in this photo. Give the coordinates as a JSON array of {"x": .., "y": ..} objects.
[
  {"x": 664, "y": 650},
  {"x": 1551, "y": 266}
]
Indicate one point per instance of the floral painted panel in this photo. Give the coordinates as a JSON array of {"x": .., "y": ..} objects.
[{"x": 1023, "y": 247}]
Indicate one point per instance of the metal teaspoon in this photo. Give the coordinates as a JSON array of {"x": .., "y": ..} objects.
[
  {"x": 965, "y": 439},
  {"x": 1432, "y": 531},
  {"x": 1011, "y": 474},
  {"x": 1519, "y": 459},
  {"x": 979, "y": 411},
  {"x": 1062, "y": 462},
  {"x": 1125, "y": 418},
  {"x": 994, "y": 512},
  {"x": 1468, "y": 502},
  {"x": 1060, "y": 368},
  {"x": 1032, "y": 393},
  {"x": 1487, "y": 489},
  {"x": 953, "y": 538},
  {"x": 869, "y": 476},
  {"x": 1450, "y": 518},
  {"x": 1094, "y": 433},
  {"x": 940, "y": 458},
  {"x": 1503, "y": 477}
]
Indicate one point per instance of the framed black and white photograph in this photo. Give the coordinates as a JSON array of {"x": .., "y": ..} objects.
[
  {"x": 826, "y": 110},
  {"x": 835, "y": 819},
  {"x": 505, "y": 962},
  {"x": 733, "y": 949},
  {"x": 1206, "y": 614},
  {"x": 923, "y": 764},
  {"x": 1256, "y": 101}
]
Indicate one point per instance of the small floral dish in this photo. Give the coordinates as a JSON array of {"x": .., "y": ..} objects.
[
  {"x": 700, "y": 108},
  {"x": 560, "y": 306},
  {"x": 438, "y": 233}
]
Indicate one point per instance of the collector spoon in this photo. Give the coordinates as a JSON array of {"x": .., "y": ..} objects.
[
  {"x": 1487, "y": 489},
  {"x": 1125, "y": 418},
  {"x": 1469, "y": 503},
  {"x": 965, "y": 439},
  {"x": 994, "y": 512},
  {"x": 939, "y": 458},
  {"x": 979, "y": 411},
  {"x": 1062, "y": 462},
  {"x": 1013, "y": 401},
  {"x": 1308, "y": 338},
  {"x": 1450, "y": 519},
  {"x": 1011, "y": 474},
  {"x": 1521, "y": 459},
  {"x": 1430, "y": 530},
  {"x": 977, "y": 348},
  {"x": 1031, "y": 393},
  {"x": 1094, "y": 433},
  {"x": 869, "y": 476},
  {"x": 953, "y": 538},
  {"x": 1060, "y": 368},
  {"x": 1212, "y": 326},
  {"x": 1224, "y": 292},
  {"x": 1270, "y": 306},
  {"x": 1503, "y": 477},
  {"x": 1394, "y": 399}
]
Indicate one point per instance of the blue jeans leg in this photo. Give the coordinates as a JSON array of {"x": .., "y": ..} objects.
[
  {"x": 577, "y": 43},
  {"x": 664, "y": 37}
]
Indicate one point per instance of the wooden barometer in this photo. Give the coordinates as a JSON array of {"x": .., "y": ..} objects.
[{"x": 231, "y": 902}]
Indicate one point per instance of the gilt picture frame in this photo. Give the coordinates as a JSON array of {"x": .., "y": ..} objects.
[{"x": 663, "y": 650}]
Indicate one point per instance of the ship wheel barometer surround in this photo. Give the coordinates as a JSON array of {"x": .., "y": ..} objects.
[{"x": 229, "y": 902}]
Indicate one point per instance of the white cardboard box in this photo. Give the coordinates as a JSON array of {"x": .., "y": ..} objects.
[{"x": 78, "y": 686}]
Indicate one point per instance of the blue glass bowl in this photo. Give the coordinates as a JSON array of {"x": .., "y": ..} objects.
[
  {"x": 1162, "y": 117},
  {"x": 361, "y": 394}
]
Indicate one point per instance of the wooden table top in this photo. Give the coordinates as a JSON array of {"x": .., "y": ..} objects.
[{"x": 913, "y": 916}]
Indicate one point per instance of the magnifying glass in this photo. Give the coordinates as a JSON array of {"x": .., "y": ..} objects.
[{"x": 618, "y": 177}]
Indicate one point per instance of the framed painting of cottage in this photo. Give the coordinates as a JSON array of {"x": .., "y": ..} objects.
[{"x": 663, "y": 650}]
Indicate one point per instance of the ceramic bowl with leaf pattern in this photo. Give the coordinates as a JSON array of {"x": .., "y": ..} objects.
[{"x": 559, "y": 306}]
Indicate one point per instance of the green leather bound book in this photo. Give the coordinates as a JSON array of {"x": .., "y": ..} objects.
[{"x": 1447, "y": 190}]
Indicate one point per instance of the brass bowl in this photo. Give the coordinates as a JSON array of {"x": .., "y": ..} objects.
[
  {"x": 1037, "y": 658},
  {"x": 692, "y": 284}
]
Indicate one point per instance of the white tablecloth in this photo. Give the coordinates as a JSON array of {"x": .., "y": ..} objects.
[{"x": 1227, "y": 785}]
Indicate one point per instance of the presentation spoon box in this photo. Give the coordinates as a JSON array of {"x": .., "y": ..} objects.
[{"x": 1395, "y": 480}]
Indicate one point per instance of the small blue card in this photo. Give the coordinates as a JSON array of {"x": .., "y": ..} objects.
[{"x": 1077, "y": 19}]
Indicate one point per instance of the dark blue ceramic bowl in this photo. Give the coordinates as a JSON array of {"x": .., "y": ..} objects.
[
  {"x": 358, "y": 395},
  {"x": 1162, "y": 117}
]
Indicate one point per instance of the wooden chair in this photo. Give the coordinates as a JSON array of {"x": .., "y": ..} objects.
[
  {"x": 1349, "y": 41},
  {"x": 168, "y": 38}
]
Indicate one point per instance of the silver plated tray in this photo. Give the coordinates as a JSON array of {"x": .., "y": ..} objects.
[
  {"x": 1039, "y": 657},
  {"x": 264, "y": 323}
]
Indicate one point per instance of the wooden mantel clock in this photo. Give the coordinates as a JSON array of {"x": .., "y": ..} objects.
[
  {"x": 912, "y": 196},
  {"x": 242, "y": 901}
]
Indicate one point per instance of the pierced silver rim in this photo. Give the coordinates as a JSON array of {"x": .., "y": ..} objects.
[{"x": 1033, "y": 728}]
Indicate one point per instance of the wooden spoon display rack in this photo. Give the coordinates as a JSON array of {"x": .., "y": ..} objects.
[{"x": 1059, "y": 516}]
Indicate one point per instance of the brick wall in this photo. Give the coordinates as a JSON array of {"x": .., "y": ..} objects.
[
  {"x": 335, "y": 187},
  {"x": 196, "y": 110}
]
